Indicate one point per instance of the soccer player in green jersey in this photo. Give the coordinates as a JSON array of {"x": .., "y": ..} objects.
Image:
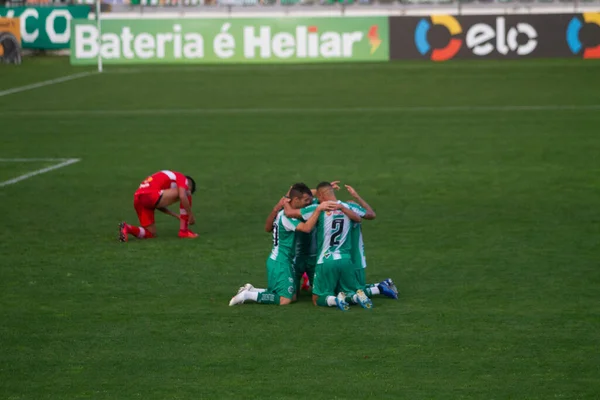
[
  {"x": 305, "y": 261},
  {"x": 334, "y": 264},
  {"x": 280, "y": 272},
  {"x": 362, "y": 208}
]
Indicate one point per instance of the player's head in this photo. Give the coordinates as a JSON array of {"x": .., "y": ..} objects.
[
  {"x": 191, "y": 183},
  {"x": 300, "y": 195},
  {"x": 325, "y": 192}
]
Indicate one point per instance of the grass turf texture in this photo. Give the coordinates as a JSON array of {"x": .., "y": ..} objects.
[{"x": 487, "y": 220}]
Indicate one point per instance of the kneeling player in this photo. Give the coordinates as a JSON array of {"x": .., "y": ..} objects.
[
  {"x": 157, "y": 192},
  {"x": 281, "y": 288}
]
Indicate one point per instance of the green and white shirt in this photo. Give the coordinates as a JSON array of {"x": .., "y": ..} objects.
[
  {"x": 284, "y": 238},
  {"x": 358, "y": 246},
  {"x": 333, "y": 233}
]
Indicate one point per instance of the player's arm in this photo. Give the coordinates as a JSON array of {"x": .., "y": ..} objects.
[
  {"x": 291, "y": 212},
  {"x": 312, "y": 221},
  {"x": 370, "y": 214},
  {"x": 273, "y": 214},
  {"x": 349, "y": 213},
  {"x": 168, "y": 212}
]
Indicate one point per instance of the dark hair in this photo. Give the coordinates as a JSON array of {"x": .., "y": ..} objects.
[
  {"x": 299, "y": 189},
  {"x": 324, "y": 185},
  {"x": 192, "y": 183}
]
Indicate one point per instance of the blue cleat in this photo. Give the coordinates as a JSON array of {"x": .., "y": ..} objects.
[
  {"x": 363, "y": 300},
  {"x": 340, "y": 301},
  {"x": 388, "y": 290},
  {"x": 390, "y": 283}
]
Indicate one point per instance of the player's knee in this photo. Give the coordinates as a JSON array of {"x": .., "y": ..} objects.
[
  {"x": 284, "y": 301},
  {"x": 314, "y": 299}
]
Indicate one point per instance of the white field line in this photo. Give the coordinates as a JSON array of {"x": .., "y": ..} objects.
[
  {"x": 45, "y": 83},
  {"x": 32, "y": 159},
  {"x": 340, "y": 66},
  {"x": 300, "y": 110},
  {"x": 64, "y": 162}
]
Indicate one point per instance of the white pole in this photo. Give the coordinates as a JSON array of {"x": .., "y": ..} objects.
[{"x": 99, "y": 26}]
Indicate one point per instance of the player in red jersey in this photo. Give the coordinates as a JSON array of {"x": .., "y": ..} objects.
[{"x": 157, "y": 192}]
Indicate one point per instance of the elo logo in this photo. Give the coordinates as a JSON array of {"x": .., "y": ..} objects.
[
  {"x": 482, "y": 39},
  {"x": 573, "y": 35},
  {"x": 438, "y": 54}
]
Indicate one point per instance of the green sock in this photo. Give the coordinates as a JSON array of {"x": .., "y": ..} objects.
[
  {"x": 268, "y": 298},
  {"x": 322, "y": 301},
  {"x": 368, "y": 291}
]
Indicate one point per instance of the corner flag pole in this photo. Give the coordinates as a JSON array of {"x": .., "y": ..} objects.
[{"x": 99, "y": 26}]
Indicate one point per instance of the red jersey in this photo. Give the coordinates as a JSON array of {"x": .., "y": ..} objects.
[{"x": 164, "y": 180}]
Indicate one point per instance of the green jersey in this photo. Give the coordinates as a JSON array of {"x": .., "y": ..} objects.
[
  {"x": 333, "y": 233},
  {"x": 284, "y": 239},
  {"x": 306, "y": 243},
  {"x": 358, "y": 246}
]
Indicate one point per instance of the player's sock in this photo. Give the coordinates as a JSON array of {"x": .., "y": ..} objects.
[
  {"x": 139, "y": 232},
  {"x": 266, "y": 297},
  {"x": 248, "y": 295},
  {"x": 183, "y": 220},
  {"x": 183, "y": 217},
  {"x": 326, "y": 301},
  {"x": 372, "y": 291},
  {"x": 257, "y": 290}
]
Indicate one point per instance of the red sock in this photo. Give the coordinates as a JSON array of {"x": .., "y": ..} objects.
[
  {"x": 183, "y": 221},
  {"x": 139, "y": 232},
  {"x": 183, "y": 217}
]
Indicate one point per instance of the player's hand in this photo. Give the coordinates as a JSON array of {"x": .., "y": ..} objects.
[
  {"x": 335, "y": 185},
  {"x": 191, "y": 220},
  {"x": 282, "y": 202},
  {"x": 328, "y": 206},
  {"x": 351, "y": 190}
]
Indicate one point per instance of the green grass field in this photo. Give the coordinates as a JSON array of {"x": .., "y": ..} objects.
[{"x": 486, "y": 185}]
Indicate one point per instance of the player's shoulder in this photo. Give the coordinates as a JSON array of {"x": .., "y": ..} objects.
[
  {"x": 172, "y": 173},
  {"x": 288, "y": 222},
  {"x": 354, "y": 207},
  {"x": 281, "y": 215},
  {"x": 344, "y": 203},
  {"x": 309, "y": 208}
]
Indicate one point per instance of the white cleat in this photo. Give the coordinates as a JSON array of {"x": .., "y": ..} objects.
[
  {"x": 239, "y": 298},
  {"x": 247, "y": 286}
]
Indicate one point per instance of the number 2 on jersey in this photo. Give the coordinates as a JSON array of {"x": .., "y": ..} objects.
[{"x": 337, "y": 226}]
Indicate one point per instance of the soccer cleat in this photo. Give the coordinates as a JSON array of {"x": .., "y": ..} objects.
[
  {"x": 239, "y": 298},
  {"x": 187, "y": 234},
  {"x": 340, "y": 302},
  {"x": 363, "y": 300},
  {"x": 123, "y": 232},
  {"x": 305, "y": 283},
  {"x": 391, "y": 285},
  {"x": 247, "y": 286},
  {"x": 387, "y": 290}
]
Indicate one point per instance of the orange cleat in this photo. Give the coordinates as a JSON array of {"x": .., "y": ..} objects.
[
  {"x": 187, "y": 234},
  {"x": 123, "y": 232}
]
